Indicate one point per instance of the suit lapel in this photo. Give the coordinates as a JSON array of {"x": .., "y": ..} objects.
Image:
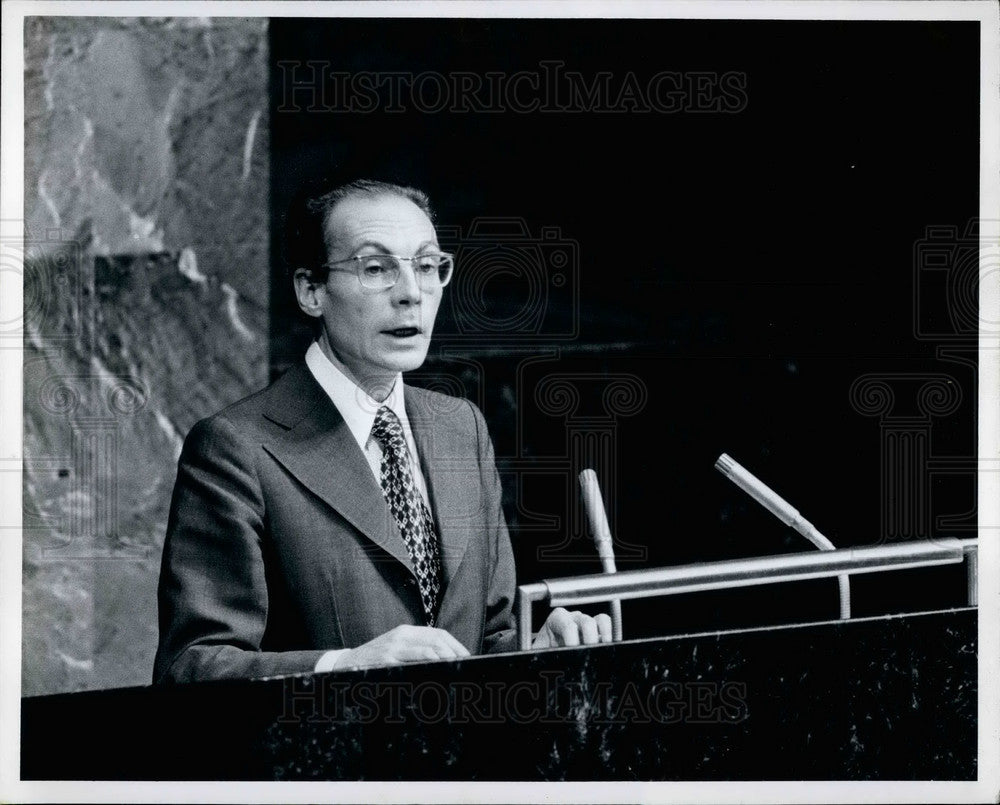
[
  {"x": 445, "y": 462},
  {"x": 318, "y": 449}
]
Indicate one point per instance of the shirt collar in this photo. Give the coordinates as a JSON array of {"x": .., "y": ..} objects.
[{"x": 356, "y": 406}]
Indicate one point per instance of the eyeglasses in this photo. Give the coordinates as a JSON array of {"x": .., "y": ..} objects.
[{"x": 381, "y": 271}]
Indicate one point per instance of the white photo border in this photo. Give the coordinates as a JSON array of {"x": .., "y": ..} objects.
[{"x": 986, "y": 789}]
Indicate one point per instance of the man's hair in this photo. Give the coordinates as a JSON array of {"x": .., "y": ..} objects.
[{"x": 305, "y": 232}]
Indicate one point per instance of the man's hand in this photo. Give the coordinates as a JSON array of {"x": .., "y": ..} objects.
[
  {"x": 564, "y": 628},
  {"x": 403, "y": 644}
]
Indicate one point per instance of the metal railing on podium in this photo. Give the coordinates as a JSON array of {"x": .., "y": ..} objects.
[{"x": 730, "y": 573}]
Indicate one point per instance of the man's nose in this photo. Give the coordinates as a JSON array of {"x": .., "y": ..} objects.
[{"x": 406, "y": 290}]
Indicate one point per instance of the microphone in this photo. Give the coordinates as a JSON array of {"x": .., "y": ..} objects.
[
  {"x": 785, "y": 512},
  {"x": 771, "y": 501},
  {"x": 593, "y": 504}
]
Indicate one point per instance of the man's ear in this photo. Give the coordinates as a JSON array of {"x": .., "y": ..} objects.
[{"x": 308, "y": 292}]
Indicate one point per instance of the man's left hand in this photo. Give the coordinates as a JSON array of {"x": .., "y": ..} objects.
[{"x": 564, "y": 628}]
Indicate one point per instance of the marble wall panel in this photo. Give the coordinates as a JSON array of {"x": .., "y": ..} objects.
[{"x": 146, "y": 294}]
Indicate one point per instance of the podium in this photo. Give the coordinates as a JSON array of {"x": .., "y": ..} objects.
[{"x": 890, "y": 698}]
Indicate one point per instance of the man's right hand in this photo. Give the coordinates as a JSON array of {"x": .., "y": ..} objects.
[{"x": 403, "y": 644}]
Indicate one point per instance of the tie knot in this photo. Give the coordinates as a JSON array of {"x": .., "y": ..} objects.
[{"x": 387, "y": 429}]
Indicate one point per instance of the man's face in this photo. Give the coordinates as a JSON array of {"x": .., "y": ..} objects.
[{"x": 377, "y": 333}]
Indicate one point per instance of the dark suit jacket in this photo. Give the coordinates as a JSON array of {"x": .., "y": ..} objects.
[{"x": 280, "y": 545}]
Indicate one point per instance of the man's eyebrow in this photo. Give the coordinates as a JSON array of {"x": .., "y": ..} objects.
[
  {"x": 371, "y": 244},
  {"x": 374, "y": 244}
]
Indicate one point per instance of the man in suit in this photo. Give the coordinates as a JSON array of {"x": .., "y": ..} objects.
[{"x": 340, "y": 518}]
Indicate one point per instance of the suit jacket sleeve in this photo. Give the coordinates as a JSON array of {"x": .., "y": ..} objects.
[
  {"x": 499, "y": 633},
  {"x": 213, "y": 599}
]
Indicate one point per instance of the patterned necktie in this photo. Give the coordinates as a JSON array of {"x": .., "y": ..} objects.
[{"x": 408, "y": 509}]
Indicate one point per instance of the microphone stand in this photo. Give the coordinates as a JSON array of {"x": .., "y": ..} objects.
[
  {"x": 598, "y": 519},
  {"x": 785, "y": 512}
]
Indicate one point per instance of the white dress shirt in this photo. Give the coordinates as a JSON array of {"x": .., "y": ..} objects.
[{"x": 358, "y": 409}]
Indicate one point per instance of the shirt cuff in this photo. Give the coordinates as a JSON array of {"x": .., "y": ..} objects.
[{"x": 328, "y": 661}]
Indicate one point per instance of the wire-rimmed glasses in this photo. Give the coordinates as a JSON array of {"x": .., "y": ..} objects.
[{"x": 380, "y": 271}]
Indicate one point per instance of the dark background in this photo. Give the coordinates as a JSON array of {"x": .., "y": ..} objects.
[{"x": 746, "y": 267}]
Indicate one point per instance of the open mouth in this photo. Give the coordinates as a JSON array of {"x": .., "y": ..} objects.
[{"x": 403, "y": 332}]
